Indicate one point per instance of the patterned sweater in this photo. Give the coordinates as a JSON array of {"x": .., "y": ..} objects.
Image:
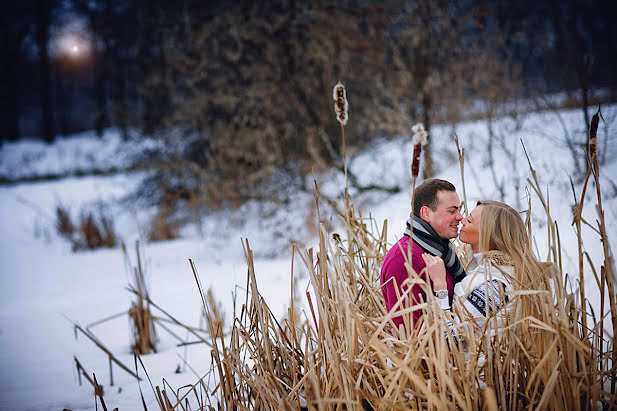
[{"x": 482, "y": 292}]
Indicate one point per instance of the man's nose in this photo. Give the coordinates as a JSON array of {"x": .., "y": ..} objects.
[{"x": 459, "y": 216}]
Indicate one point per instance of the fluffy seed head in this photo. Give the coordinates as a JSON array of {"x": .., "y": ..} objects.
[
  {"x": 341, "y": 106},
  {"x": 418, "y": 139},
  {"x": 419, "y": 134}
]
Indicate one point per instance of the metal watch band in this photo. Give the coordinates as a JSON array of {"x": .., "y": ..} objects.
[{"x": 441, "y": 293}]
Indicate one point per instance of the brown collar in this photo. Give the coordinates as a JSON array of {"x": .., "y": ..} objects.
[{"x": 497, "y": 258}]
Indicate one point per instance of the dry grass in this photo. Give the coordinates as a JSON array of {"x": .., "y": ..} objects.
[
  {"x": 342, "y": 359},
  {"x": 93, "y": 229},
  {"x": 163, "y": 226},
  {"x": 344, "y": 354},
  {"x": 543, "y": 351},
  {"x": 141, "y": 321},
  {"x": 64, "y": 225}
]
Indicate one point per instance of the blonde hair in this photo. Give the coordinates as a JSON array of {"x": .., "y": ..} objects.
[{"x": 502, "y": 229}]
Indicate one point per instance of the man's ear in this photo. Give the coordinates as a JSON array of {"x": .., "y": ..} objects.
[{"x": 425, "y": 214}]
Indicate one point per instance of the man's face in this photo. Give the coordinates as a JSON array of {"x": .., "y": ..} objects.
[{"x": 446, "y": 216}]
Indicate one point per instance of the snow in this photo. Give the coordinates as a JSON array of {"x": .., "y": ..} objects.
[
  {"x": 46, "y": 286},
  {"x": 74, "y": 154}
]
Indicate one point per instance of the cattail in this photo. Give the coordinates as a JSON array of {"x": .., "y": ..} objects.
[
  {"x": 341, "y": 106},
  {"x": 593, "y": 134},
  {"x": 418, "y": 139}
]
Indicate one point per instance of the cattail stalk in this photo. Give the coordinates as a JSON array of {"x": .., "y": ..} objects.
[
  {"x": 419, "y": 138},
  {"x": 461, "y": 162},
  {"x": 608, "y": 274},
  {"x": 608, "y": 278},
  {"x": 355, "y": 359},
  {"x": 341, "y": 109}
]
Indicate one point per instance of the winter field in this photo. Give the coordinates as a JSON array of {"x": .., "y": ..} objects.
[{"x": 46, "y": 287}]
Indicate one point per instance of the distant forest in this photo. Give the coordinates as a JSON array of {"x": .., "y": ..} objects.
[
  {"x": 245, "y": 87},
  {"x": 222, "y": 65}
]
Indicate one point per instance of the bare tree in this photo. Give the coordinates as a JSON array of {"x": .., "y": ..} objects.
[
  {"x": 250, "y": 86},
  {"x": 16, "y": 23},
  {"x": 153, "y": 90},
  {"x": 253, "y": 86},
  {"x": 43, "y": 21},
  {"x": 439, "y": 58}
]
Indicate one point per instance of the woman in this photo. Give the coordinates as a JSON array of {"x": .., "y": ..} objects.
[{"x": 504, "y": 261}]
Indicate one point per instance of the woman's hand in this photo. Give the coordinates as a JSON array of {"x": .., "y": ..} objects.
[{"x": 436, "y": 271}]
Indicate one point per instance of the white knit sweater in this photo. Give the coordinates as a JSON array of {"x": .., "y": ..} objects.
[{"x": 481, "y": 292}]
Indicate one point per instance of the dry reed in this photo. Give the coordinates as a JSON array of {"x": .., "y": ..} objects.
[
  {"x": 418, "y": 139},
  {"x": 141, "y": 321},
  {"x": 349, "y": 357},
  {"x": 535, "y": 353},
  {"x": 91, "y": 231},
  {"x": 346, "y": 355}
]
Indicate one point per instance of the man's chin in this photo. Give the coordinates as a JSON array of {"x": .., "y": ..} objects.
[{"x": 454, "y": 234}]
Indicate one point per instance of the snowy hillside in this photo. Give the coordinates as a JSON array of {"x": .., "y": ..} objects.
[{"x": 45, "y": 284}]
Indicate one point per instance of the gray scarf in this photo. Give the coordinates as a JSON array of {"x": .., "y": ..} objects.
[{"x": 426, "y": 237}]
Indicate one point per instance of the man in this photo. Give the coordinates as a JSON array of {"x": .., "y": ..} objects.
[{"x": 435, "y": 219}]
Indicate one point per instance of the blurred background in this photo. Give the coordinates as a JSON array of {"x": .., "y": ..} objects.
[
  {"x": 184, "y": 126},
  {"x": 239, "y": 93}
]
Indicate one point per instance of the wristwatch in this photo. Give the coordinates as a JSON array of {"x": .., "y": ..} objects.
[{"x": 441, "y": 294}]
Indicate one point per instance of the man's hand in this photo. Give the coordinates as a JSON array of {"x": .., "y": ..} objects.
[{"x": 436, "y": 271}]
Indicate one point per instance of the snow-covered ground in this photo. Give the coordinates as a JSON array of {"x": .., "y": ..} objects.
[
  {"x": 46, "y": 287},
  {"x": 70, "y": 155}
]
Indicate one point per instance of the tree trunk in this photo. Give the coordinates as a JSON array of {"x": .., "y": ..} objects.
[
  {"x": 66, "y": 113},
  {"x": 572, "y": 47},
  {"x": 9, "y": 97},
  {"x": 42, "y": 38},
  {"x": 149, "y": 114},
  {"x": 14, "y": 30},
  {"x": 120, "y": 102},
  {"x": 100, "y": 95},
  {"x": 117, "y": 92},
  {"x": 429, "y": 170}
]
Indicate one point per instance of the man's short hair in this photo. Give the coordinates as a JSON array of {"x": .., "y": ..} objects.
[{"x": 426, "y": 194}]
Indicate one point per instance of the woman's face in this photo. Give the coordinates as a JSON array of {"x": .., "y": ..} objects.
[{"x": 470, "y": 232}]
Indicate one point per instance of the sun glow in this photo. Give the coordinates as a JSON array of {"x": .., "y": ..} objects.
[{"x": 71, "y": 45}]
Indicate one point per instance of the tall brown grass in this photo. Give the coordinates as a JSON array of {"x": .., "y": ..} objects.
[
  {"x": 94, "y": 228},
  {"x": 344, "y": 354},
  {"x": 162, "y": 225},
  {"x": 539, "y": 352},
  {"x": 347, "y": 356},
  {"x": 141, "y": 320}
]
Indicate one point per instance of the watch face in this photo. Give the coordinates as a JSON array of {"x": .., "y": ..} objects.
[{"x": 441, "y": 293}]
